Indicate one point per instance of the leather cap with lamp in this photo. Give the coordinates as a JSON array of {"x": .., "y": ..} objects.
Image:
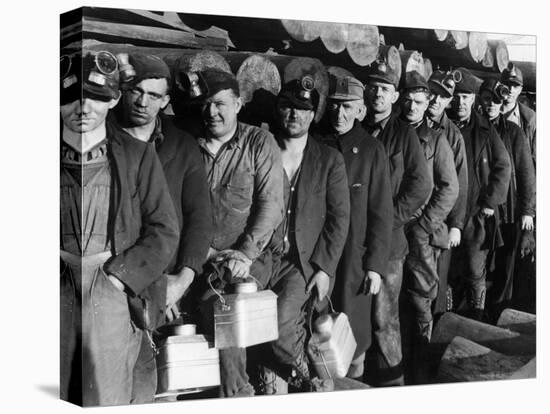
[
  {"x": 444, "y": 83},
  {"x": 300, "y": 93},
  {"x": 414, "y": 80},
  {"x": 381, "y": 71},
  {"x": 191, "y": 84},
  {"x": 95, "y": 76},
  {"x": 345, "y": 88},
  {"x": 499, "y": 90},
  {"x": 468, "y": 82},
  {"x": 139, "y": 66},
  {"x": 511, "y": 75}
]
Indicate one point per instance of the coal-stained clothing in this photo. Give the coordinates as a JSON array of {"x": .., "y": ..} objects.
[
  {"x": 245, "y": 180},
  {"x": 427, "y": 232},
  {"x": 130, "y": 231},
  {"x": 526, "y": 119},
  {"x": 409, "y": 178},
  {"x": 448, "y": 128},
  {"x": 520, "y": 201},
  {"x": 370, "y": 230},
  {"x": 318, "y": 222}
]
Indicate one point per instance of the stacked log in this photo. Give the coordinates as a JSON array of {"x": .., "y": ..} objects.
[
  {"x": 499, "y": 339},
  {"x": 411, "y": 60},
  {"x": 499, "y": 51},
  {"x": 517, "y": 321},
  {"x": 465, "y": 360}
]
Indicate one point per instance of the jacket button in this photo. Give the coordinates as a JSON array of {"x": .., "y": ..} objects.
[{"x": 355, "y": 150}]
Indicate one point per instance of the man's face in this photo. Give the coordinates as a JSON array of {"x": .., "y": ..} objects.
[
  {"x": 342, "y": 114},
  {"x": 414, "y": 105},
  {"x": 294, "y": 122},
  {"x": 381, "y": 96},
  {"x": 82, "y": 116},
  {"x": 462, "y": 105},
  {"x": 515, "y": 91},
  {"x": 219, "y": 112},
  {"x": 489, "y": 104},
  {"x": 143, "y": 101},
  {"x": 437, "y": 105}
]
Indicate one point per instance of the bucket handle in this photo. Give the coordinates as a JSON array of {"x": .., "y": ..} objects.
[{"x": 311, "y": 305}]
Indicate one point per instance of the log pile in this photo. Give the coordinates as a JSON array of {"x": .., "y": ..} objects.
[{"x": 468, "y": 350}]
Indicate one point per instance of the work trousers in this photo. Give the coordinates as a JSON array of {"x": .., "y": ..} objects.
[
  {"x": 386, "y": 327},
  {"x": 290, "y": 286},
  {"x": 99, "y": 342},
  {"x": 145, "y": 374}
]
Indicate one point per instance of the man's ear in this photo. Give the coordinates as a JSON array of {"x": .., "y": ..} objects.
[
  {"x": 361, "y": 111},
  {"x": 238, "y": 104},
  {"x": 165, "y": 102},
  {"x": 395, "y": 97},
  {"x": 114, "y": 101}
]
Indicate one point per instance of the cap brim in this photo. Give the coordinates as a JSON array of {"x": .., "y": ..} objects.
[
  {"x": 98, "y": 93},
  {"x": 344, "y": 97},
  {"x": 438, "y": 89},
  {"x": 515, "y": 82},
  {"x": 288, "y": 97}
]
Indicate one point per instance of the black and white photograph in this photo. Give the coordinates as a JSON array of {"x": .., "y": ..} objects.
[{"x": 312, "y": 210}]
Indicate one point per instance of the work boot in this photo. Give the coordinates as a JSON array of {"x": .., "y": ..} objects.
[
  {"x": 421, "y": 361},
  {"x": 476, "y": 302}
]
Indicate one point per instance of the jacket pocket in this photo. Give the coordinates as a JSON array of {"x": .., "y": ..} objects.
[{"x": 239, "y": 191}]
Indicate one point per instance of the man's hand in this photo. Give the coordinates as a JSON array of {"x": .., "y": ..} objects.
[
  {"x": 176, "y": 287},
  {"x": 487, "y": 212},
  {"x": 236, "y": 261},
  {"x": 454, "y": 237},
  {"x": 372, "y": 283},
  {"x": 321, "y": 280},
  {"x": 527, "y": 223}
]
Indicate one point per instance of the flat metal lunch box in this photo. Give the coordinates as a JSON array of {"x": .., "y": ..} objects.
[
  {"x": 245, "y": 318},
  {"x": 187, "y": 363},
  {"x": 332, "y": 346}
]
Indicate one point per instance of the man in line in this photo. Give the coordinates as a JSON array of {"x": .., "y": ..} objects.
[
  {"x": 427, "y": 232},
  {"x": 119, "y": 231},
  {"x": 516, "y": 112},
  {"x": 488, "y": 178},
  {"x": 145, "y": 93},
  {"x": 313, "y": 230},
  {"x": 411, "y": 186},
  {"x": 518, "y": 211},
  {"x": 363, "y": 264},
  {"x": 245, "y": 179},
  {"x": 442, "y": 87}
]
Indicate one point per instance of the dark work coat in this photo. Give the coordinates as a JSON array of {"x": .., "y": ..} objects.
[
  {"x": 520, "y": 200},
  {"x": 439, "y": 159},
  {"x": 456, "y": 141},
  {"x": 322, "y": 210},
  {"x": 528, "y": 119},
  {"x": 410, "y": 181},
  {"x": 143, "y": 226},
  {"x": 488, "y": 174},
  {"x": 184, "y": 170},
  {"x": 369, "y": 239}
]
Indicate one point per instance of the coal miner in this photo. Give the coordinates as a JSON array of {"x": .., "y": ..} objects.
[
  {"x": 427, "y": 232},
  {"x": 517, "y": 112},
  {"x": 245, "y": 180},
  {"x": 488, "y": 180},
  {"x": 313, "y": 232},
  {"x": 518, "y": 211},
  {"x": 442, "y": 86},
  {"x": 362, "y": 268},
  {"x": 119, "y": 231},
  {"x": 146, "y": 82},
  {"x": 411, "y": 186}
]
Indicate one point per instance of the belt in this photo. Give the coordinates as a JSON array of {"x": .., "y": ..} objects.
[{"x": 85, "y": 261}]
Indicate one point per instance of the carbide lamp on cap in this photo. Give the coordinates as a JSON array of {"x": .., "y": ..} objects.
[
  {"x": 192, "y": 84},
  {"x": 66, "y": 63},
  {"x": 512, "y": 70},
  {"x": 502, "y": 90},
  {"x": 105, "y": 65},
  {"x": 127, "y": 71},
  {"x": 307, "y": 84}
]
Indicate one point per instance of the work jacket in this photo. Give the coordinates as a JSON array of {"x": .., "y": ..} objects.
[{"x": 370, "y": 230}]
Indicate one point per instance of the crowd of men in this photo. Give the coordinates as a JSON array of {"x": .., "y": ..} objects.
[{"x": 409, "y": 199}]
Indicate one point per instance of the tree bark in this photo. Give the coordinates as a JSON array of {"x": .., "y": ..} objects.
[{"x": 517, "y": 321}]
